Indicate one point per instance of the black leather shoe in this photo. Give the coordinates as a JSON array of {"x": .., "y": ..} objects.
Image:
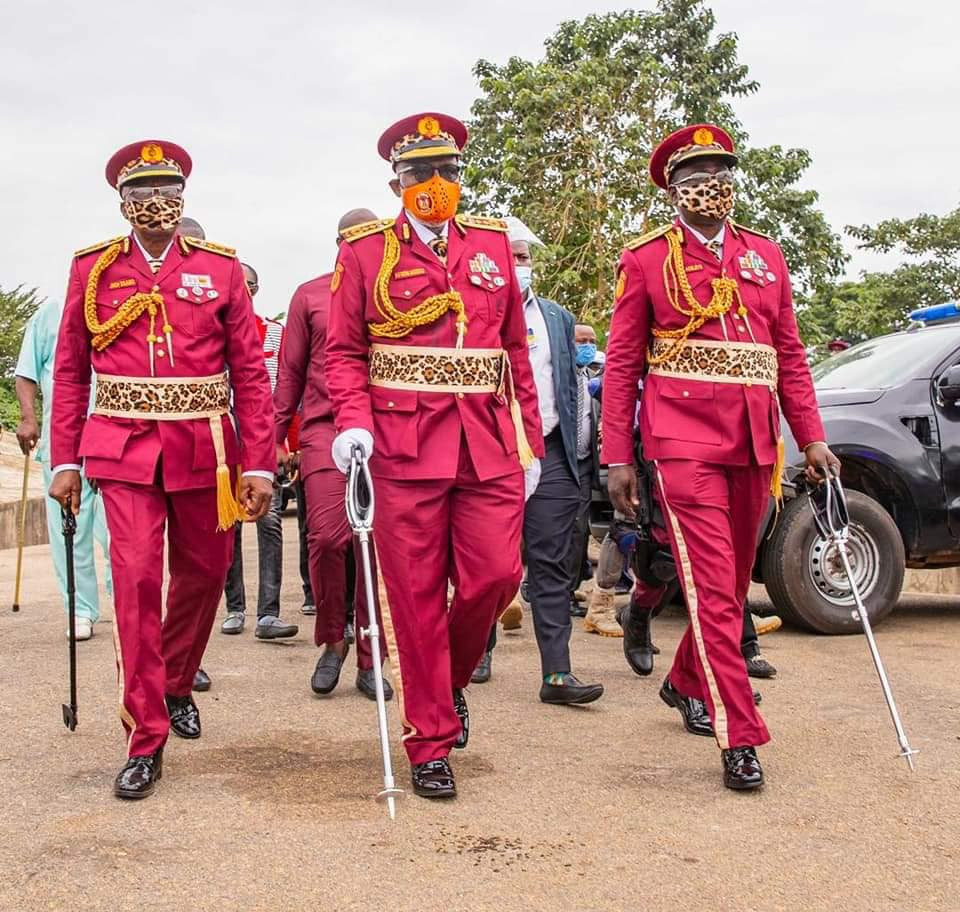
[
  {"x": 741, "y": 769},
  {"x": 577, "y": 609},
  {"x": 139, "y": 777},
  {"x": 463, "y": 714},
  {"x": 757, "y": 698},
  {"x": 366, "y": 684},
  {"x": 184, "y": 716},
  {"x": 481, "y": 674},
  {"x": 434, "y": 779},
  {"x": 349, "y": 633},
  {"x": 696, "y": 719},
  {"x": 201, "y": 681},
  {"x": 759, "y": 667},
  {"x": 638, "y": 648},
  {"x": 272, "y": 628},
  {"x": 326, "y": 675},
  {"x": 570, "y": 692}
]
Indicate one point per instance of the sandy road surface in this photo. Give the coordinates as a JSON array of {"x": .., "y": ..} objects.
[{"x": 610, "y": 807}]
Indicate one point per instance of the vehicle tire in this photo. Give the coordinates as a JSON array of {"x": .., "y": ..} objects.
[{"x": 804, "y": 576}]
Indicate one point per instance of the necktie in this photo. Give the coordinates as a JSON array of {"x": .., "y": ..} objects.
[
  {"x": 439, "y": 247},
  {"x": 155, "y": 265},
  {"x": 714, "y": 246}
]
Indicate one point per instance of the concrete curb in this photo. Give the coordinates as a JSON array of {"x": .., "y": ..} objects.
[{"x": 35, "y": 531}]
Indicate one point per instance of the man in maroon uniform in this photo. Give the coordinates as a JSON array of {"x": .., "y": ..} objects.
[
  {"x": 704, "y": 315},
  {"x": 428, "y": 372},
  {"x": 167, "y": 324}
]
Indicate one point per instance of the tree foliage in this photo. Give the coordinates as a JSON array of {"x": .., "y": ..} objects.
[
  {"x": 564, "y": 143},
  {"x": 16, "y": 307}
]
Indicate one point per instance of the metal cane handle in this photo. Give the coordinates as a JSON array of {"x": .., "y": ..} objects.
[{"x": 359, "y": 515}]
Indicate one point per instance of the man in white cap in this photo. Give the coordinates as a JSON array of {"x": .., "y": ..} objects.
[{"x": 551, "y": 510}]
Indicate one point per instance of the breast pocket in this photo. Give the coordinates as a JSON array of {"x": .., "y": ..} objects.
[
  {"x": 486, "y": 302},
  {"x": 405, "y": 293}
]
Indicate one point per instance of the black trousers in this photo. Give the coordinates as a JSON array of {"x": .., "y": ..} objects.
[
  {"x": 304, "y": 552},
  {"x": 577, "y": 555},
  {"x": 548, "y": 521}
]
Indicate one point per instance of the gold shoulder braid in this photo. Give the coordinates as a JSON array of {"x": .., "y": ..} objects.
[
  {"x": 398, "y": 323},
  {"x": 105, "y": 334},
  {"x": 676, "y": 283}
]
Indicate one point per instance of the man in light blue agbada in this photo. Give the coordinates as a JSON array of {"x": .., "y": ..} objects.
[{"x": 35, "y": 368}]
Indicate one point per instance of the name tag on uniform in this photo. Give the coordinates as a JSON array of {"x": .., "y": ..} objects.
[
  {"x": 123, "y": 283},
  {"x": 188, "y": 280},
  {"x": 532, "y": 342}
]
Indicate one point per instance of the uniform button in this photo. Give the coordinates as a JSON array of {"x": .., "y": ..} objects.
[
  {"x": 748, "y": 383},
  {"x": 459, "y": 395},
  {"x": 406, "y": 294},
  {"x": 390, "y": 404},
  {"x": 686, "y": 393},
  {"x": 155, "y": 289},
  {"x": 159, "y": 352}
]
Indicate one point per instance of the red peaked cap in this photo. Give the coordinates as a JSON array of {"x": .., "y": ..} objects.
[
  {"x": 148, "y": 158},
  {"x": 696, "y": 141},
  {"x": 428, "y": 135}
]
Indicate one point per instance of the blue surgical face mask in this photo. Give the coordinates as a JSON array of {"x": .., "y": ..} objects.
[
  {"x": 586, "y": 352},
  {"x": 524, "y": 277}
]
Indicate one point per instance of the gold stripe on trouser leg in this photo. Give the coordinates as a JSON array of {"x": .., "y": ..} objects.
[
  {"x": 390, "y": 634},
  {"x": 122, "y": 707},
  {"x": 693, "y": 606}
]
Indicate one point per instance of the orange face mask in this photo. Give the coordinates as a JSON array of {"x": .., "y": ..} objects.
[{"x": 434, "y": 201}]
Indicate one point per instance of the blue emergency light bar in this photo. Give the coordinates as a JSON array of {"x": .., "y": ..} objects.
[{"x": 938, "y": 313}]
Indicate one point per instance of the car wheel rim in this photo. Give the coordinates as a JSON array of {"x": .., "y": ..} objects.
[{"x": 826, "y": 568}]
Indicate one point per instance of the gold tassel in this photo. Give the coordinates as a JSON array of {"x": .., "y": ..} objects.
[
  {"x": 776, "y": 482},
  {"x": 226, "y": 502},
  {"x": 523, "y": 445}
]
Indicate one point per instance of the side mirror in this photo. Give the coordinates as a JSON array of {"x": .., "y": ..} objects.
[{"x": 948, "y": 386}]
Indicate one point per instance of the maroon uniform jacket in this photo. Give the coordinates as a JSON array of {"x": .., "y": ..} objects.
[
  {"x": 418, "y": 434},
  {"x": 689, "y": 418}
]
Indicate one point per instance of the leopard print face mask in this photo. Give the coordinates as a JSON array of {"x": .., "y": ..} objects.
[
  {"x": 712, "y": 198},
  {"x": 154, "y": 214}
]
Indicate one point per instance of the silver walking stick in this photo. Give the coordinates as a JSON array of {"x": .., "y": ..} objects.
[
  {"x": 829, "y": 507},
  {"x": 360, "y": 516}
]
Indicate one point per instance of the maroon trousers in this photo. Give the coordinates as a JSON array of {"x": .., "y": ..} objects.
[
  {"x": 712, "y": 514},
  {"x": 328, "y": 537},
  {"x": 428, "y": 532},
  {"x": 159, "y": 654}
]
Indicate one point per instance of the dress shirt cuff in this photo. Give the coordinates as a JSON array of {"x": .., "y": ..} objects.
[
  {"x": 66, "y": 467},
  {"x": 258, "y": 473},
  {"x": 613, "y": 465}
]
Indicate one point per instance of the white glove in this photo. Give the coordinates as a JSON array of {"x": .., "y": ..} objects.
[
  {"x": 531, "y": 478},
  {"x": 344, "y": 442}
]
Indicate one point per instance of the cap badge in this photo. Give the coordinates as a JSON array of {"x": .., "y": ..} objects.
[
  {"x": 428, "y": 127},
  {"x": 703, "y": 137},
  {"x": 151, "y": 153}
]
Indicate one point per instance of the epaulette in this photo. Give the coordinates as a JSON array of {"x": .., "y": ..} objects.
[
  {"x": 101, "y": 245},
  {"x": 365, "y": 229},
  {"x": 208, "y": 246},
  {"x": 481, "y": 221},
  {"x": 740, "y": 227},
  {"x": 648, "y": 237}
]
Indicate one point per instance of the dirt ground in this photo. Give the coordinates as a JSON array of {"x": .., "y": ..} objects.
[{"x": 609, "y": 807}]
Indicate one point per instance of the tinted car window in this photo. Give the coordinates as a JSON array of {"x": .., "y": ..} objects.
[{"x": 875, "y": 364}]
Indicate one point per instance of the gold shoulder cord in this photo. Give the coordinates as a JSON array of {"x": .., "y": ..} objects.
[
  {"x": 398, "y": 323},
  {"x": 105, "y": 334},
  {"x": 675, "y": 282}
]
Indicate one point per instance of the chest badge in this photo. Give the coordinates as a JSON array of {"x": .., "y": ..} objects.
[
  {"x": 482, "y": 265},
  {"x": 751, "y": 261},
  {"x": 189, "y": 280}
]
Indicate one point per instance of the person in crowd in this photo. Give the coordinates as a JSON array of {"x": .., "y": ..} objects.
[
  {"x": 429, "y": 376},
  {"x": 704, "y": 312},
  {"x": 167, "y": 324}
]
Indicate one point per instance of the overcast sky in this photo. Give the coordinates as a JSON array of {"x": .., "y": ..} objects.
[{"x": 280, "y": 104}]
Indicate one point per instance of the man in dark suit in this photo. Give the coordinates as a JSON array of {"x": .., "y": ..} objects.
[{"x": 551, "y": 509}]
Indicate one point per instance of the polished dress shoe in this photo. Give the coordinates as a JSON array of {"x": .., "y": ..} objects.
[
  {"x": 139, "y": 777},
  {"x": 326, "y": 675},
  {"x": 638, "y": 648},
  {"x": 463, "y": 714},
  {"x": 233, "y": 622},
  {"x": 757, "y": 698},
  {"x": 434, "y": 779},
  {"x": 366, "y": 684},
  {"x": 184, "y": 716},
  {"x": 571, "y": 692},
  {"x": 577, "y": 609},
  {"x": 741, "y": 769},
  {"x": 759, "y": 667},
  {"x": 349, "y": 633},
  {"x": 481, "y": 674},
  {"x": 308, "y": 609},
  {"x": 201, "y": 681},
  {"x": 696, "y": 719},
  {"x": 272, "y": 628}
]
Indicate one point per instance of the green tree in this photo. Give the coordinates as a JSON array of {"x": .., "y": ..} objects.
[
  {"x": 16, "y": 307},
  {"x": 564, "y": 143}
]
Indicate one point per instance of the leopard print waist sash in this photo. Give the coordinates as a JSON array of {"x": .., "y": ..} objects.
[
  {"x": 437, "y": 370},
  {"x": 745, "y": 363},
  {"x": 162, "y": 398}
]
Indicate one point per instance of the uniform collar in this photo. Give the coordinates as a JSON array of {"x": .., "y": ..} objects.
[
  {"x": 426, "y": 233},
  {"x": 717, "y": 238}
]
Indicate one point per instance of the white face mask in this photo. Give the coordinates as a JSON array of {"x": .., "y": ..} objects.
[{"x": 524, "y": 277}]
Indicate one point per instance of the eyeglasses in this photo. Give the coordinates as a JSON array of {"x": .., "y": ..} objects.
[
  {"x": 422, "y": 173},
  {"x": 141, "y": 194},
  {"x": 725, "y": 176}
]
